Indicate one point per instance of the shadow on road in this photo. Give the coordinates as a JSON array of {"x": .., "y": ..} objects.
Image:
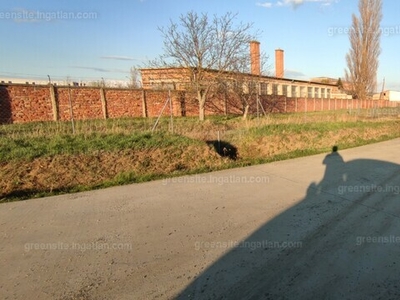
[{"x": 342, "y": 241}]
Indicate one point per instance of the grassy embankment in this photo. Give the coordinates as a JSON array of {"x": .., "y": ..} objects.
[{"x": 40, "y": 159}]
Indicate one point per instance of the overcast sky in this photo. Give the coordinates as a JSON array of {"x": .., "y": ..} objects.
[{"x": 88, "y": 40}]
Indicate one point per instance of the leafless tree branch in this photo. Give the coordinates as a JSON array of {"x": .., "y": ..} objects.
[{"x": 200, "y": 44}]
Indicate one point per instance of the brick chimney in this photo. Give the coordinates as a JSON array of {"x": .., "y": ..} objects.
[
  {"x": 279, "y": 63},
  {"x": 255, "y": 57}
]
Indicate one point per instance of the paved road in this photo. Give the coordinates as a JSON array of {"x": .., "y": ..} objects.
[{"x": 321, "y": 227}]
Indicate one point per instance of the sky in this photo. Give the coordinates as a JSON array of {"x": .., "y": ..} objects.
[{"x": 85, "y": 40}]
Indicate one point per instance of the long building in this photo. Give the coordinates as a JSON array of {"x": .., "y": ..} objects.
[{"x": 179, "y": 78}]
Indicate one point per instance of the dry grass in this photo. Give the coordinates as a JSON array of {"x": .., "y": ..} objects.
[{"x": 46, "y": 158}]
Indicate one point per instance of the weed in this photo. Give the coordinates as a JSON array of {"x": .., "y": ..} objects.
[{"x": 46, "y": 158}]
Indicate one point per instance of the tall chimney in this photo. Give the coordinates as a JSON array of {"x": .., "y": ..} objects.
[
  {"x": 255, "y": 57},
  {"x": 279, "y": 62}
]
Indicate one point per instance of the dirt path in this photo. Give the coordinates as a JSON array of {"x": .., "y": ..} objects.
[{"x": 294, "y": 229}]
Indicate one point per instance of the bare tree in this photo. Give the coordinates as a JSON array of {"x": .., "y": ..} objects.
[
  {"x": 201, "y": 44},
  {"x": 246, "y": 88},
  {"x": 134, "y": 82},
  {"x": 363, "y": 57}
]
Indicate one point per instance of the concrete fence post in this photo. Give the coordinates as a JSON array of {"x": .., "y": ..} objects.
[
  {"x": 225, "y": 104},
  {"x": 285, "y": 104},
  {"x": 54, "y": 105},
  {"x": 144, "y": 104},
  {"x": 103, "y": 103}
]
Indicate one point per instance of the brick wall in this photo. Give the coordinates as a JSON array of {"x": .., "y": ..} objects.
[
  {"x": 124, "y": 103},
  {"x": 85, "y": 103},
  {"x": 25, "y": 103},
  {"x": 28, "y": 103}
]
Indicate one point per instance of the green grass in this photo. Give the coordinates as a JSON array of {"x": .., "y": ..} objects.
[
  {"x": 321, "y": 127},
  {"x": 22, "y": 144},
  {"x": 32, "y": 140},
  {"x": 29, "y": 148}
]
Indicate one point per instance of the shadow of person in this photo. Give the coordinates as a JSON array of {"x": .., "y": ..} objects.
[
  {"x": 334, "y": 163},
  {"x": 335, "y": 172},
  {"x": 340, "y": 242}
]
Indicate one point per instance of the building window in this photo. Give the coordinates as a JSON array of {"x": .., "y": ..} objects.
[
  {"x": 263, "y": 88},
  {"x": 303, "y": 92},
  {"x": 323, "y": 93},
  {"x": 294, "y": 91},
  {"x": 310, "y": 92},
  {"x": 316, "y": 93},
  {"x": 284, "y": 90},
  {"x": 229, "y": 85},
  {"x": 328, "y": 91},
  {"x": 275, "y": 89},
  {"x": 245, "y": 88},
  {"x": 252, "y": 87}
]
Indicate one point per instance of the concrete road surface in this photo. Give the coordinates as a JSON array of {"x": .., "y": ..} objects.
[{"x": 320, "y": 227}]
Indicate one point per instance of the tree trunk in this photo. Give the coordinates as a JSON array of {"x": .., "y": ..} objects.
[
  {"x": 201, "y": 97},
  {"x": 246, "y": 111},
  {"x": 201, "y": 112}
]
